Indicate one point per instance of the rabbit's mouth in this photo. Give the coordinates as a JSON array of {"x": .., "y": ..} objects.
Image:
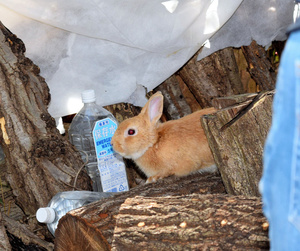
[
  {"x": 138, "y": 154},
  {"x": 135, "y": 155}
]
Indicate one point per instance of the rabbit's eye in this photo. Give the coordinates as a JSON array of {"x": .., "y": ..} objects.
[{"x": 131, "y": 132}]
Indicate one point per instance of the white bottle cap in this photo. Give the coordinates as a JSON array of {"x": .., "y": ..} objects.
[
  {"x": 45, "y": 215},
  {"x": 88, "y": 96}
]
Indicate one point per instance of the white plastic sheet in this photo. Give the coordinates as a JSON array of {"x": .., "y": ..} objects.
[
  {"x": 262, "y": 21},
  {"x": 118, "y": 47}
]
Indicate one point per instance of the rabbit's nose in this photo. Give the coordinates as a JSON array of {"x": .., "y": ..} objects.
[{"x": 113, "y": 143}]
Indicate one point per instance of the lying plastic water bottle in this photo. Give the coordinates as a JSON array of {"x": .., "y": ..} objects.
[{"x": 64, "y": 202}]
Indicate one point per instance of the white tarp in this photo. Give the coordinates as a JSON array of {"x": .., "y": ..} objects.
[{"x": 118, "y": 47}]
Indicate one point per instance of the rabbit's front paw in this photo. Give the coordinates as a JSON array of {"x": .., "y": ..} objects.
[{"x": 152, "y": 179}]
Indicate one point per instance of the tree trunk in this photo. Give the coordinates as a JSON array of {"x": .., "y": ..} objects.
[
  {"x": 191, "y": 222},
  {"x": 238, "y": 149},
  {"x": 99, "y": 218},
  {"x": 39, "y": 161}
]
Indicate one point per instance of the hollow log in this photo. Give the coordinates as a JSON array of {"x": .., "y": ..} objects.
[
  {"x": 99, "y": 218},
  {"x": 39, "y": 161},
  {"x": 238, "y": 149},
  {"x": 191, "y": 222}
]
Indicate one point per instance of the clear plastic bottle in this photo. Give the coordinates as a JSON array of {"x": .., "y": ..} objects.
[
  {"x": 83, "y": 134},
  {"x": 64, "y": 202}
]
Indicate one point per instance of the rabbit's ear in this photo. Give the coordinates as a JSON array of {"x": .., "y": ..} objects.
[{"x": 154, "y": 108}]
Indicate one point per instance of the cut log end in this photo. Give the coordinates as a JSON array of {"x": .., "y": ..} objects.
[{"x": 81, "y": 237}]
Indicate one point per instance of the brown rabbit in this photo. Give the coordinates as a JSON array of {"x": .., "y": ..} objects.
[{"x": 176, "y": 147}]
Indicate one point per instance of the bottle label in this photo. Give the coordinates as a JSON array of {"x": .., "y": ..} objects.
[{"x": 110, "y": 164}]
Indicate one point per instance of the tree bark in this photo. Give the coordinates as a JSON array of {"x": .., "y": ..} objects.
[
  {"x": 123, "y": 111},
  {"x": 226, "y": 102},
  {"x": 214, "y": 76},
  {"x": 238, "y": 149},
  {"x": 191, "y": 222},
  {"x": 259, "y": 66},
  {"x": 178, "y": 99},
  {"x": 39, "y": 161},
  {"x": 4, "y": 242},
  {"x": 99, "y": 218},
  {"x": 27, "y": 238}
]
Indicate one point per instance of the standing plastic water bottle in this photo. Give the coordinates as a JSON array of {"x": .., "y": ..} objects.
[
  {"x": 91, "y": 131},
  {"x": 64, "y": 202}
]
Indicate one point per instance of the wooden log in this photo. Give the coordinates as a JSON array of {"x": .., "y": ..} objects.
[
  {"x": 191, "y": 222},
  {"x": 214, "y": 76},
  {"x": 225, "y": 102},
  {"x": 25, "y": 237},
  {"x": 238, "y": 149},
  {"x": 259, "y": 66},
  {"x": 4, "y": 242},
  {"x": 123, "y": 111},
  {"x": 178, "y": 100},
  {"x": 39, "y": 161},
  {"x": 99, "y": 218}
]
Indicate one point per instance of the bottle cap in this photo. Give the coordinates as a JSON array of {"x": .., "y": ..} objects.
[
  {"x": 88, "y": 96},
  {"x": 45, "y": 215}
]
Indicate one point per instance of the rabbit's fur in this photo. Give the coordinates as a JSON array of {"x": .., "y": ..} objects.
[{"x": 176, "y": 147}]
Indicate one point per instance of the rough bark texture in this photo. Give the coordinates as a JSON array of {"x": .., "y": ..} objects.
[
  {"x": 100, "y": 217},
  {"x": 225, "y": 102},
  {"x": 28, "y": 239},
  {"x": 259, "y": 66},
  {"x": 178, "y": 100},
  {"x": 238, "y": 149},
  {"x": 214, "y": 76},
  {"x": 39, "y": 161},
  {"x": 191, "y": 222},
  {"x": 123, "y": 111},
  {"x": 4, "y": 242}
]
